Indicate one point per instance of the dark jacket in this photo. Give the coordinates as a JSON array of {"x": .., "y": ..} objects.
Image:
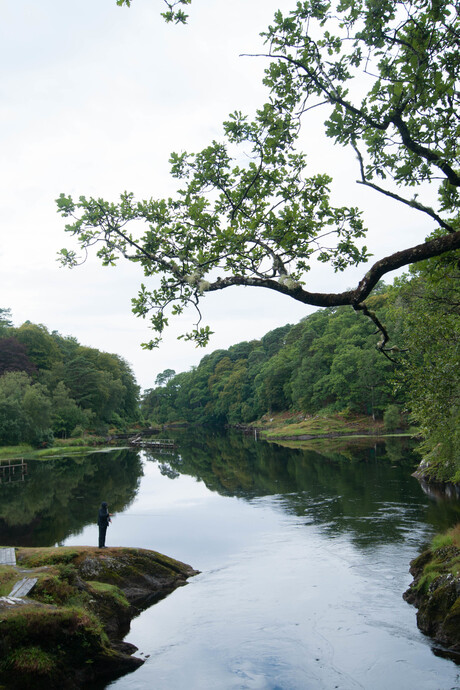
[{"x": 103, "y": 517}]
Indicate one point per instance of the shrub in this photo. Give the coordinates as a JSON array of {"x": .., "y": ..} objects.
[{"x": 391, "y": 418}]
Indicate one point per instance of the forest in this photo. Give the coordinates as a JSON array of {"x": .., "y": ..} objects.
[
  {"x": 330, "y": 362},
  {"x": 53, "y": 387},
  {"x": 314, "y": 365}
]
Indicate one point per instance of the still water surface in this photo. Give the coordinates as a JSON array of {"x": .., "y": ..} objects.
[{"x": 304, "y": 558}]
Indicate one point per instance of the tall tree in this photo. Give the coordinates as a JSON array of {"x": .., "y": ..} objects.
[
  {"x": 25, "y": 410},
  {"x": 428, "y": 304},
  {"x": 163, "y": 377},
  {"x": 255, "y": 215},
  {"x": 65, "y": 414},
  {"x": 13, "y": 357},
  {"x": 40, "y": 345}
]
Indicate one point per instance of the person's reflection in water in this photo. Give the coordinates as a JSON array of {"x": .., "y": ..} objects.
[{"x": 103, "y": 520}]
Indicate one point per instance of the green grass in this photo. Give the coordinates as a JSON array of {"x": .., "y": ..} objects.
[
  {"x": 441, "y": 540},
  {"x": 31, "y": 660},
  {"x": 444, "y": 558},
  {"x": 426, "y": 579},
  {"x": 7, "y": 452},
  {"x": 38, "y": 557},
  {"x": 449, "y": 538},
  {"x": 28, "y": 453},
  {"x": 110, "y": 590},
  {"x": 62, "y": 450},
  {"x": 295, "y": 424},
  {"x": 8, "y": 577}
]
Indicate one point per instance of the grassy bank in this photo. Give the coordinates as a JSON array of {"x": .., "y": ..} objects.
[
  {"x": 289, "y": 425},
  {"x": 73, "y": 446}
]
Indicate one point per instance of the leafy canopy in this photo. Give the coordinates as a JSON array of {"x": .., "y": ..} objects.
[
  {"x": 427, "y": 304},
  {"x": 247, "y": 211}
]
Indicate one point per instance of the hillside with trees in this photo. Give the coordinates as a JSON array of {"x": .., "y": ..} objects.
[
  {"x": 51, "y": 386},
  {"x": 328, "y": 361}
]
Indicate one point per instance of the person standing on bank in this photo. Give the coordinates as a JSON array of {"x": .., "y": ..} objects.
[{"x": 103, "y": 520}]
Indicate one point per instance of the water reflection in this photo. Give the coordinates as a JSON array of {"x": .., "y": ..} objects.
[
  {"x": 303, "y": 553},
  {"x": 359, "y": 487},
  {"x": 58, "y": 497},
  {"x": 13, "y": 471},
  {"x": 304, "y": 556}
]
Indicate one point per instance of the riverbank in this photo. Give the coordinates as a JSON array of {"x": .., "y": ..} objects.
[
  {"x": 435, "y": 590},
  {"x": 68, "y": 631},
  {"x": 289, "y": 426},
  {"x": 81, "y": 445},
  {"x": 279, "y": 427},
  {"x": 78, "y": 446}
]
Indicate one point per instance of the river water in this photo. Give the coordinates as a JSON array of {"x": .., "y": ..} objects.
[{"x": 304, "y": 557}]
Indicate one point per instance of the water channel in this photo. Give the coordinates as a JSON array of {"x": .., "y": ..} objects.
[{"x": 304, "y": 557}]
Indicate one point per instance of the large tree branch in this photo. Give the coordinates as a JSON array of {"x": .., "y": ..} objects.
[
  {"x": 412, "y": 255},
  {"x": 354, "y": 297}
]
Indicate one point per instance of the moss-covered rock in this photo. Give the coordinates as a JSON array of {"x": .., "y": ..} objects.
[
  {"x": 49, "y": 647},
  {"x": 68, "y": 631},
  {"x": 435, "y": 590}
]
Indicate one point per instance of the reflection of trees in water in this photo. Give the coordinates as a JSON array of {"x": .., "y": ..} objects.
[
  {"x": 60, "y": 497},
  {"x": 234, "y": 464},
  {"x": 364, "y": 488},
  {"x": 360, "y": 490}
]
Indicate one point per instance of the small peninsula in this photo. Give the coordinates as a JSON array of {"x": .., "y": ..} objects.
[{"x": 68, "y": 630}]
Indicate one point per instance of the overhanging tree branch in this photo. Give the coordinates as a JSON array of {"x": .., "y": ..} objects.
[
  {"x": 354, "y": 297},
  {"x": 257, "y": 216}
]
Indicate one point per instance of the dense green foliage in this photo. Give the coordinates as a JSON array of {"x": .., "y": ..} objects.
[
  {"x": 248, "y": 210},
  {"x": 427, "y": 305},
  {"x": 51, "y": 385},
  {"x": 328, "y": 360}
]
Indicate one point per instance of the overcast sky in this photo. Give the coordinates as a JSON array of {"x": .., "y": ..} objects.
[{"x": 93, "y": 99}]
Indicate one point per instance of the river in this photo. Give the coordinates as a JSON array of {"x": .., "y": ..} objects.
[{"x": 304, "y": 557}]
